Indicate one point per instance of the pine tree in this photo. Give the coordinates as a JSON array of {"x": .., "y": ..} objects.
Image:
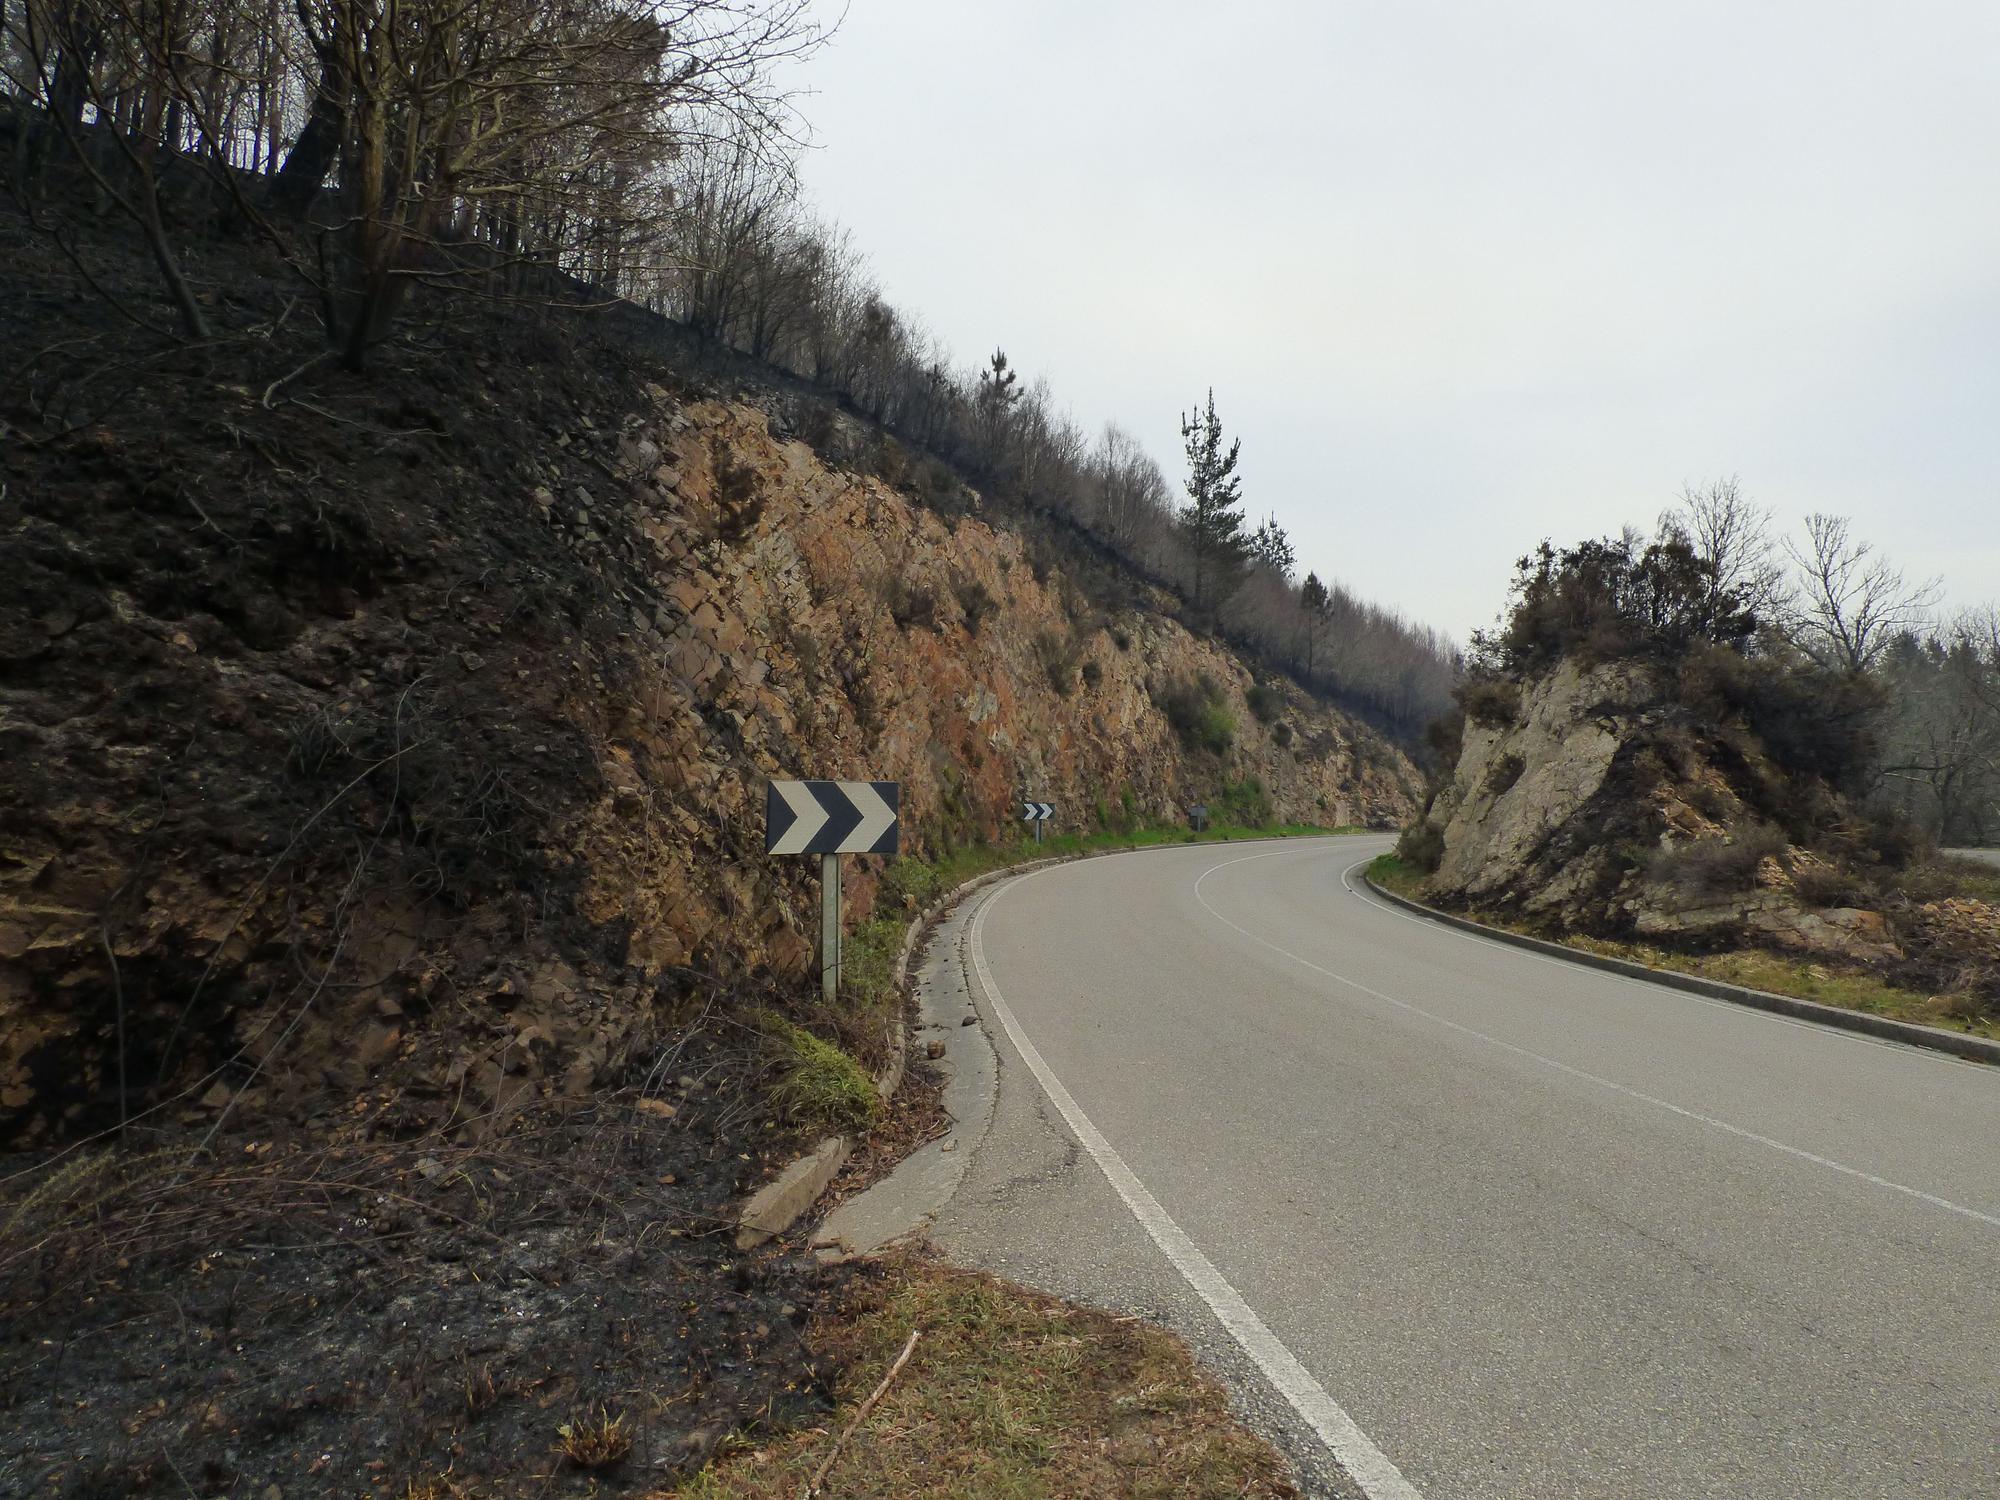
[
  {"x": 1313, "y": 609},
  {"x": 993, "y": 412},
  {"x": 1271, "y": 547},
  {"x": 1212, "y": 521}
]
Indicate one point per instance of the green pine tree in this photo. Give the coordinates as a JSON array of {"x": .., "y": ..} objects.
[{"x": 1212, "y": 520}]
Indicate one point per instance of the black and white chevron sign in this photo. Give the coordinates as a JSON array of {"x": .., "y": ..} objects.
[
  {"x": 1036, "y": 812},
  {"x": 831, "y": 817}
]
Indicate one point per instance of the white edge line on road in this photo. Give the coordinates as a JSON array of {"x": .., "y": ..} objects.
[
  {"x": 1562, "y": 1067},
  {"x": 1367, "y": 1465}
]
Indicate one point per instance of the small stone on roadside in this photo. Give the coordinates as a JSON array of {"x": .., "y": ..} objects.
[
  {"x": 430, "y": 1169},
  {"x": 934, "y": 1049}
]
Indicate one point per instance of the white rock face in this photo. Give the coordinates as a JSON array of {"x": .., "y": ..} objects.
[{"x": 1518, "y": 785}]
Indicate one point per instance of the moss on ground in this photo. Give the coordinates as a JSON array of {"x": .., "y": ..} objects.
[{"x": 819, "y": 1086}]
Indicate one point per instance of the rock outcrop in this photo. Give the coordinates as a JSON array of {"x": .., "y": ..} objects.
[
  {"x": 820, "y": 623},
  {"x": 429, "y": 768},
  {"x": 1590, "y": 800}
]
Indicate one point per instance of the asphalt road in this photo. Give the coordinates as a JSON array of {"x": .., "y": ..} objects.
[
  {"x": 1985, "y": 856},
  {"x": 1486, "y": 1224}
]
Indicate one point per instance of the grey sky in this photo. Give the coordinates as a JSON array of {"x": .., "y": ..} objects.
[{"x": 1464, "y": 275}]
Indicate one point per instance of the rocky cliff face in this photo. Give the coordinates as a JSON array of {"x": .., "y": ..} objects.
[
  {"x": 817, "y": 623},
  {"x": 427, "y": 769},
  {"x": 1591, "y": 800}
]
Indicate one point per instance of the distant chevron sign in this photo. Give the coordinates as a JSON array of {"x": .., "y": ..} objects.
[
  {"x": 831, "y": 817},
  {"x": 1036, "y": 812}
]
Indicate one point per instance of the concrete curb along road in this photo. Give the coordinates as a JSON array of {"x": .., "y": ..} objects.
[
  {"x": 779, "y": 1203},
  {"x": 1959, "y": 1043}
]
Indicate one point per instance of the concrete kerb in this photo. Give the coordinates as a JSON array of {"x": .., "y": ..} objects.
[
  {"x": 1958, "y": 1043},
  {"x": 778, "y": 1205}
]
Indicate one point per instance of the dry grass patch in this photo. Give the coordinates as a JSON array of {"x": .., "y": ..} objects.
[
  {"x": 593, "y": 1440},
  {"x": 1751, "y": 968},
  {"x": 1846, "y": 989},
  {"x": 1008, "y": 1395}
]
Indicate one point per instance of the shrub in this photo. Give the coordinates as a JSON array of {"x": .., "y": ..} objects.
[
  {"x": 1282, "y": 733},
  {"x": 1827, "y": 885},
  {"x": 1810, "y": 721},
  {"x": 1194, "y": 710},
  {"x": 1504, "y": 772},
  {"x": 1265, "y": 702},
  {"x": 819, "y": 426},
  {"x": 1058, "y": 654},
  {"x": 974, "y": 598},
  {"x": 1215, "y": 731},
  {"x": 739, "y": 501},
  {"x": 1490, "y": 700},
  {"x": 909, "y": 604},
  {"x": 1444, "y": 738},
  {"x": 1422, "y": 845},
  {"x": 1093, "y": 675},
  {"x": 1717, "y": 866},
  {"x": 891, "y": 461},
  {"x": 819, "y": 1086},
  {"x": 1242, "y": 804}
]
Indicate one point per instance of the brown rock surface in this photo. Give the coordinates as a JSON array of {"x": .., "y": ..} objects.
[{"x": 479, "y": 728}]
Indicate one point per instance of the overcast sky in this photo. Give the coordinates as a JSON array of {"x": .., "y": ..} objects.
[{"x": 1464, "y": 275}]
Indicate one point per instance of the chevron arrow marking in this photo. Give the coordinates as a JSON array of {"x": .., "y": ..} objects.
[
  {"x": 831, "y": 817},
  {"x": 794, "y": 815},
  {"x": 877, "y": 816}
]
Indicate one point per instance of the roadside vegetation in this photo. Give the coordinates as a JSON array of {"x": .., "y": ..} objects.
[
  {"x": 1006, "y": 1392},
  {"x": 1847, "y": 987},
  {"x": 1788, "y": 730}
]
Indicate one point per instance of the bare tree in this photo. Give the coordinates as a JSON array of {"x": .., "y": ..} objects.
[
  {"x": 1851, "y": 601},
  {"x": 1730, "y": 536},
  {"x": 1942, "y": 753}
]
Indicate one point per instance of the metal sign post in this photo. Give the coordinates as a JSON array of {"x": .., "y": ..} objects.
[
  {"x": 831, "y": 818},
  {"x": 829, "y": 926}
]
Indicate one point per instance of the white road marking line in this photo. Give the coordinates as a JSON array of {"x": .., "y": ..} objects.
[
  {"x": 1606, "y": 1083},
  {"x": 1366, "y": 1465}
]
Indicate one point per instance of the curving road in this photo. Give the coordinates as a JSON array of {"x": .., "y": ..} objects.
[{"x": 1457, "y": 1220}]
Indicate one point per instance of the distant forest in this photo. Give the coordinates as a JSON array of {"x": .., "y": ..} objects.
[{"x": 391, "y": 152}]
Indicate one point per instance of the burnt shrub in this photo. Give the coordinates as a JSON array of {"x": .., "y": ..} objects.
[
  {"x": 974, "y": 598},
  {"x": 1717, "y": 866},
  {"x": 1828, "y": 885},
  {"x": 1093, "y": 675},
  {"x": 910, "y": 605}
]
